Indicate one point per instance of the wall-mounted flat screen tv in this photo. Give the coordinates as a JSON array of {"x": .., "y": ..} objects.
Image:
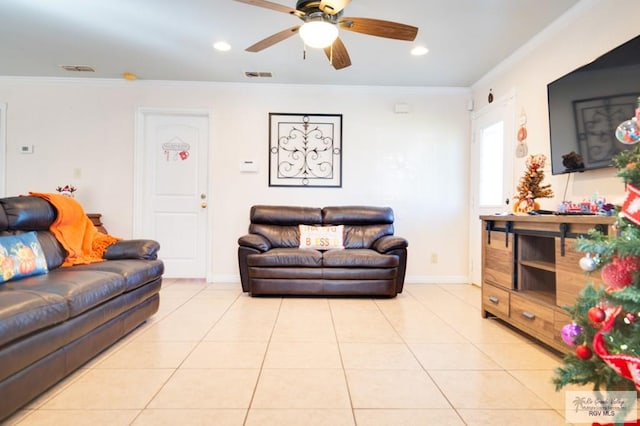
[{"x": 587, "y": 105}]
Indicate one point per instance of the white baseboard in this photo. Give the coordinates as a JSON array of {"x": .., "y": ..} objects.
[
  {"x": 435, "y": 279},
  {"x": 410, "y": 279},
  {"x": 225, "y": 279}
]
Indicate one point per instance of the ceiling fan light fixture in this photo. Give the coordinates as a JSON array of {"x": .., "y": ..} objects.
[
  {"x": 222, "y": 46},
  {"x": 318, "y": 34},
  {"x": 419, "y": 51}
]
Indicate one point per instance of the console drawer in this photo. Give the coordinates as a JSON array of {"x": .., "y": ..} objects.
[
  {"x": 495, "y": 300},
  {"x": 539, "y": 319}
]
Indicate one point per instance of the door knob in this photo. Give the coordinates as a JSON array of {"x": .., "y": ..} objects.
[{"x": 203, "y": 205}]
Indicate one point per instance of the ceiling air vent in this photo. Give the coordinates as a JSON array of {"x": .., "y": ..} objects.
[
  {"x": 77, "y": 68},
  {"x": 258, "y": 74}
]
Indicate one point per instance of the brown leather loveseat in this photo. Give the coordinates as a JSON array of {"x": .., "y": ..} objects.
[
  {"x": 54, "y": 322},
  {"x": 272, "y": 262}
]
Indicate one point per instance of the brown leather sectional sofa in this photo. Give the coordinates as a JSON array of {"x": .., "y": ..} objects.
[
  {"x": 372, "y": 263},
  {"x": 53, "y": 323}
]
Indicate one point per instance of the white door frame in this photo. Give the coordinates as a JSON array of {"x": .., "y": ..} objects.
[
  {"x": 139, "y": 178},
  {"x": 475, "y": 235},
  {"x": 3, "y": 150}
]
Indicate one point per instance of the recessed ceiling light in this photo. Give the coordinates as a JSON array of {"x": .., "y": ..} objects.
[
  {"x": 222, "y": 46},
  {"x": 419, "y": 51}
]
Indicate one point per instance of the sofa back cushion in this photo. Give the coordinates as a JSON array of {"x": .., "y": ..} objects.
[
  {"x": 363, "y": 225},
  {"x": 279, "y": 224},
  {"x": 24, "y": 214}
]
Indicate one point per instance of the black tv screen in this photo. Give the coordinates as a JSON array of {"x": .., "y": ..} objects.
[{"x": 587, "y": 105}]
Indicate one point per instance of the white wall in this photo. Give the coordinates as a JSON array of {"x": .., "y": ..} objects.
[
  {"x": 587, "y": 31},
  {"x": 415, "y": 163}
]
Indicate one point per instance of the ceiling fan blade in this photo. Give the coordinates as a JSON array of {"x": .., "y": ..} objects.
[
  {"x": 379, "y": 28},
  {"x": 273, "y": 39},
  {"x": 273, "y": 6},
  {"x": 338, "y": 55},
  {"x": 331, "y": 7}
]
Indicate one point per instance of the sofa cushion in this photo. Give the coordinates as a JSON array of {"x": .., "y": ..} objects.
[
  {"x": 363, "y": 237},
  {"x": 321, "y": 237},
  {"x": 21, "y": 256},
  {"x": 357, "y": 215},
  {"x": 25, "y": 311},
  {"x": 4, "y": 220},
  {"x": 285, "y": 215},
  {"x": 134, "y": 272},
  {"x": 278, "y": 236},
  {"x": 286, "y": 257},
  {"x": 53, "y": 250},
  {"x": 28, "y": 213},
  {"x": 82, "y": 290},
  {"x": 358, "y": 258}
]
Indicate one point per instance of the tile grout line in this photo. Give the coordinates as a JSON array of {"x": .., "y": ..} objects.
[
  {"x": 175, "y": 370},
  {"x": 344, "y": 370},
  {"x": 405, "y": 343},
  {"x": 264, "y": 358}
]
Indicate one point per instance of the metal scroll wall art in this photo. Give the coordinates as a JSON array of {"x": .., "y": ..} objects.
[
  {"x": 305, "y": 150},
  {"x": 596, "y": 122}
]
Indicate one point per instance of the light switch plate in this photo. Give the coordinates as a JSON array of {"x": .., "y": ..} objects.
[{"x": 248, "y": 166}]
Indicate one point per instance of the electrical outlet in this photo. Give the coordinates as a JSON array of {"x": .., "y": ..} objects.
[{"x": 434, "y": 257}]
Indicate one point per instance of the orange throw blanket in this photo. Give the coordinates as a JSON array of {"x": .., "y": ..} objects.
[{"x": 75, "y": 231}]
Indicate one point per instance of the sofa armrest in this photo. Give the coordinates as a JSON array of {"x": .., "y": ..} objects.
[
  {"x": 133, "y": 249},
  {"x": 254, "y": 241},
  {"x": 390, "y": 242}
]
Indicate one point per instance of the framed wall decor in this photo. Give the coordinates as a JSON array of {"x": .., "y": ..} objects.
[
  {"x": 305, "y": 150},
  {"x": 596, "y": 122}
]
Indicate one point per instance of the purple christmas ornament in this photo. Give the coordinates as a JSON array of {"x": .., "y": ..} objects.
[{"x": 569, "y": 333}]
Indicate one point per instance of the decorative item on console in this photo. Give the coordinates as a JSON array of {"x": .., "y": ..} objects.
[
  {"x": 67, "y": 190},
  {"x": 628, "y": 132},
  {"x": 530, "y": 188},
  {"x": 596, "y": 205}
]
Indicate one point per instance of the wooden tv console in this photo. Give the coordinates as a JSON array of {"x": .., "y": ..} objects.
[{"x": 530, "y": 270}]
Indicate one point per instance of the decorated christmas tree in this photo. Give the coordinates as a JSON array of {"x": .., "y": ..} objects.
[
  {"x": 605, "y": 328},
  {"x": 530, "y": 185}
]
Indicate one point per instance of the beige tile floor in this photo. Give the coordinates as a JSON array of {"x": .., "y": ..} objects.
[{"x": 214, "y": 356}]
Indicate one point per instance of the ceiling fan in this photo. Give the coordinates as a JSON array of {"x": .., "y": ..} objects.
[{"x": 325, "y": 16}]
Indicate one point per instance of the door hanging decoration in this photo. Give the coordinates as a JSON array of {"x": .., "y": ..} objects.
[
  {"x": 521, "y": 149},
  {"x": 176, "y": 149}
]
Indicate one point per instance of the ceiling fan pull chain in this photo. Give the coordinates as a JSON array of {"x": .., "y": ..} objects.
[{"x": 304, "y": 51}]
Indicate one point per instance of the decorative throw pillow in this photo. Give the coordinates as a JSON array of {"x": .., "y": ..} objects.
[
  {"x": 321, "y": 237},
  {"x": 21, "y": 256}
]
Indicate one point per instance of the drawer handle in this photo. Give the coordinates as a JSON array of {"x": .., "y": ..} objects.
[
  {"x": 494, "y": 300},
  {"x": 528, "y": 315}
]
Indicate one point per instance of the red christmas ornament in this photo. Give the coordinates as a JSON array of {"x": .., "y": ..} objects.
[
  {"x": 619, "y": 273},
  {"x": 596, "y": 315},
  {"x": 583, "y": 352},
  {"x": 629, "y": 318}
]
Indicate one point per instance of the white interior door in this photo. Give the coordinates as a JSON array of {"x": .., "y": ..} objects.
[
  {"x": 492, "y": 184},
  {"x": 173, "y": 198}
]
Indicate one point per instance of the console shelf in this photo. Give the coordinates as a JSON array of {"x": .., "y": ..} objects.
[{"x": 530, "y": 271}]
